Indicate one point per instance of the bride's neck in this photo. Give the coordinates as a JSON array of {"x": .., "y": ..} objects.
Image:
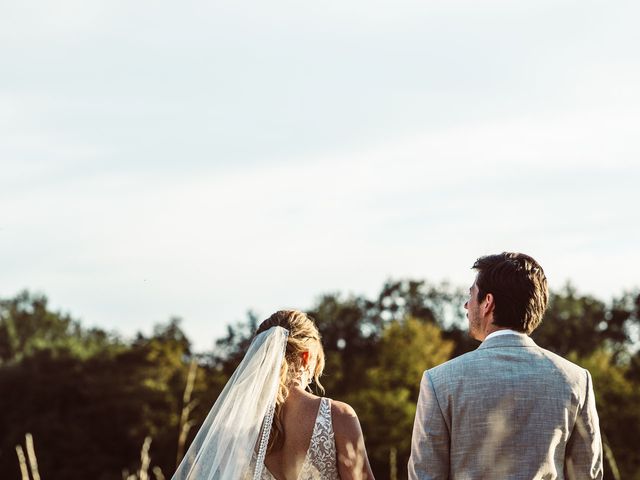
[{"x": 297, "y": 390}]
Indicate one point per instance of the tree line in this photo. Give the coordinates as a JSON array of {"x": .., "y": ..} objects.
[{"x": 92, "y": 400}]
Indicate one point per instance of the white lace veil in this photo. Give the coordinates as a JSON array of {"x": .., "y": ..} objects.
[{"x": 232, "y": 442}]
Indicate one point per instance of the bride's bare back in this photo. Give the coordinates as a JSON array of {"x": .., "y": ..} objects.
[{"x": 299, "y": 415}]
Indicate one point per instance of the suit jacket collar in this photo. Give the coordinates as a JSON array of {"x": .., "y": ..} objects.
[{"x": 509, "y": 340}]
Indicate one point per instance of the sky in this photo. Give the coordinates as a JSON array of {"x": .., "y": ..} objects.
[{"x": 204, "y": 158}]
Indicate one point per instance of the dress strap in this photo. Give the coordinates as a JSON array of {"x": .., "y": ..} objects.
[
  {"x": 325, "y": 409},
  {"x": 321, "y": 463}
]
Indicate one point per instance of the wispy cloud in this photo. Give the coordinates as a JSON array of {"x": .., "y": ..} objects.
[{"x": 214, "y": 157}]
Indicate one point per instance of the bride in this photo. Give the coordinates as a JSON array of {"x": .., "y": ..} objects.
[{"x": 265, "y": 425}]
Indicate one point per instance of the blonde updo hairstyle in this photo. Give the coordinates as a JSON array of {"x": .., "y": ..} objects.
[{"x": 303, "y": 337}]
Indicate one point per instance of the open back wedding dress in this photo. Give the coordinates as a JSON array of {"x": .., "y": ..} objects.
[
  {"x": 320, "y": 461},
  {"x": 232, "y": 442}
]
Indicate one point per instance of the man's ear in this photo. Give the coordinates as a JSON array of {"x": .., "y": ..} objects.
[
  {"x": 489, "y": 304},
  {"x": 305, "y": 358}
]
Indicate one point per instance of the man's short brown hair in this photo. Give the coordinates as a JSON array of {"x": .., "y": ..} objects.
[{"x": 519, "y": 288}]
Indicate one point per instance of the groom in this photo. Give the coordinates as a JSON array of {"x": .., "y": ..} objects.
[{"x": 510, "y": 409}]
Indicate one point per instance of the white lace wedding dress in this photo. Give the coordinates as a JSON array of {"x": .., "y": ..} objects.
[{"x": 320, "y": 462}]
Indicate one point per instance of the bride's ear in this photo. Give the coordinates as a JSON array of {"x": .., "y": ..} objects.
[{"x": 305, "y": 358}]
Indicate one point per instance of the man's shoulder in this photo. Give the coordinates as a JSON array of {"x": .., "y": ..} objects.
[
  {"x": 571, "y": 370},
  {"x": 452, "y": 367},
  {"x": 481, "y": 361}
]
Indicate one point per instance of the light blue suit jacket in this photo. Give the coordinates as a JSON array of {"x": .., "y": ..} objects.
[{"x": 507, "y": 410}]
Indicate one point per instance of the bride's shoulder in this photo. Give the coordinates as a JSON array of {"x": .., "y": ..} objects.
[
  {"x": 351, "y": 453},
  {"x": 341, "y": 410},
  {"x": 345, "y": 421}
]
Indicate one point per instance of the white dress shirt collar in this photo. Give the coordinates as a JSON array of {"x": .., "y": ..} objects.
[{"x": 497, "y": 333}]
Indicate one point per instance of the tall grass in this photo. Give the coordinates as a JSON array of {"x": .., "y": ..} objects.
[
  {"x": 28, "y": 463},
  {"x": 145, "y": 461},
  {"x": 187, "y": 407},
  {"x": 31, "y": 457}
]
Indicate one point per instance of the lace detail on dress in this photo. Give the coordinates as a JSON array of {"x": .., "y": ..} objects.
[{"x": 320, "y": 462}]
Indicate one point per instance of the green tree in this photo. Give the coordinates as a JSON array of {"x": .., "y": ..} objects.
[
  {"x": 28, "y": 325},
  {"x": 90, "y": 414},
  {"x": 582, "y": 324},
  {"x": 387, "y": 404},
  {"x": 90, "y": 398},
  {"x": 617, "y": 400}
]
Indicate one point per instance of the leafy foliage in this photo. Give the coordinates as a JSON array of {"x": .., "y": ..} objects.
[
  {"x": 387, "y": 403},
  {"x": 27, "y": 326},
  {"x": 617, "y": 401},
  {"x": 583, "y": 324}
]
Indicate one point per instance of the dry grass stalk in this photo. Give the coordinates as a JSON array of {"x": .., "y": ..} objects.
[
  {"x": 28, "y": 460},
  {"x": 145, "y": 460},
  {"x": 24, "y": 471},
  {"x": 608, "y": 454},
  {"x": 31, "y": 453},
  {"x": 393, "y": 464},
  {"x": 158, "y": 473},
  {"x": 143, "y": 473},
  {"x": 185, "y": 423}
]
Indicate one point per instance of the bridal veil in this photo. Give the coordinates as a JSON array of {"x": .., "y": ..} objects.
[{"x": 232, "y": 442}]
